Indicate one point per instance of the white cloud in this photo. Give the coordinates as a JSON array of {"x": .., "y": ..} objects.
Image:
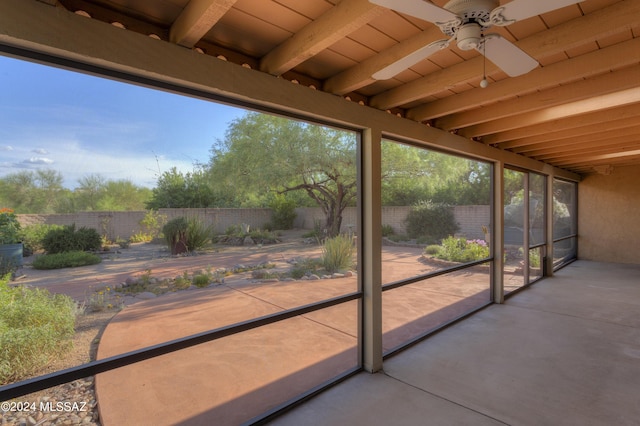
[
  {"x": 6, "y": 148},
  {"x": 39, "y": 160},
  {"x": 40, "y": 151}
]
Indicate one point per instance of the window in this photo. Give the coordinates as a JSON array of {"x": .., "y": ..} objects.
[
  {"x": 436, "y": 253},
  {"x": 565, "y": 222}
]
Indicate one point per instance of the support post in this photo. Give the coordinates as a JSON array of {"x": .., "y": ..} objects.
[
  {"x": 548, "y": 266},
  {"x": 498, "y": 232},
  {"x": 370, "y": 249}
]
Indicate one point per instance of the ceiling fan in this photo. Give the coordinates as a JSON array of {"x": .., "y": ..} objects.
[{"x": 465, "y": 21}]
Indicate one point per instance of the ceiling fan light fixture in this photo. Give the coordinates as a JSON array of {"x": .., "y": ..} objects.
[{"x": 469, "y": 36}]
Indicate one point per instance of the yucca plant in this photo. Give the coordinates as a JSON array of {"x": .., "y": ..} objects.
[{"x": 198, "y": 234}]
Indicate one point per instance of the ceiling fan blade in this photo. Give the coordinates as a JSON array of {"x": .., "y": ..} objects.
[
  {"x": 419, "y": 8},
  {"x": 409, "y": 60},
  {"x": 518, "y": 10},
  {"x": 506, "y": 55}
]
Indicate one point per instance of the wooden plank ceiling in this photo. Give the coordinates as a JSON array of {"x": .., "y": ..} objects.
[{"x": 579, "y": 110}]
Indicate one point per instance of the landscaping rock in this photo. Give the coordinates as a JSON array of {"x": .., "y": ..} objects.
[
  {"x": 146, "y": 295},
  {"x": 337, "y": 275},
  {"x": 314, "y": 277}
]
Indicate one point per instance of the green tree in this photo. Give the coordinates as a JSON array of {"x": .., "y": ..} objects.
[
  {"x": 263, "y": 154},
  {"x": 32, "y": 191},
  {"x": 411, "y": 175},
  {"x": 123, "y": 195},
  {"x": 177, "y": 190},
  {"x": 89, "y": 191}
]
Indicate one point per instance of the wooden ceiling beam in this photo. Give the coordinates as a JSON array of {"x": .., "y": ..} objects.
[
  {"x": 196, "y": 19},
  {"x": 605, "y": 166},
  {"x": 608, "y": 145},
  {"x": 621, "y": 16},
  {"x": 562, "y": 144},
  {"x": 509, "y": 139},
  {"x": 340, "y": 21},
  {"x": 586, "y": 131},
  {"x": 596, "y": 103},
  {"x": 597, "y": 62},
  {"x": 590, "y": 159},
  {"x": 547, "y": 100}
]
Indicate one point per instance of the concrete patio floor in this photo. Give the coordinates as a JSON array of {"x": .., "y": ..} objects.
[{"x": 565, "y": 351}]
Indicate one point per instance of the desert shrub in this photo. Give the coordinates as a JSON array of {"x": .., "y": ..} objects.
[
  {"x": 152, "y": 222},
  {"x": 35, "y": 327},
  {"x": 430, "y": 221},
  {"x": 122, "y": 243},
  {"x": 33, "y": 237},
  {"x": 337, "y": 253},
  {"x": 198, "y": 234},
  {"x": 283, "y": 212},
  {"x": 88, "y": 239},
  {"x": 175, "y": 234},
  {"x": 234, "y": 231},
  {"x": 387, "y": 230},
  {"x": 186, "y": 235},
  {"x": 67, "y": 238},
  {"x": 10, "y": 230},
  {"x": 260, "y": 236},
  {"x": 140, "y": 237},
  {"x": 68, "y": 259},
  {"x": 462, "y": 250},
  {"x": 304, "y": 267},
  {"x": 432, "y": 249},
  {"x": 201, "y": 280}
]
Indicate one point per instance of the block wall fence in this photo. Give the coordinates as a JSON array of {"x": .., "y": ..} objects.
[{"x": 124, "y": 224}]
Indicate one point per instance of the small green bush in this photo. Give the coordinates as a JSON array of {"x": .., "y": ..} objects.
[
  {"x": 69, "y": 259},
  {"x": 387, "y": 230},
  {"x": 67, "y": 238},
  {"x": 462, "y": 250},
  {"x": 234, "y": 231},
  {"x": 140, "y": 237},
  {"x": 201, "y": 280},
  {"x": 337, "y": 253},
  {"x": 304, "y": 267},
  {"x": 152, "y": 224},
  {"x": 35, "y": 327},
  {"x": 432, "y": 249},
  {"x": 263, "y": 236},
  {"x": 430, "y": 221},
  {"x": 33, "y": 236},
  {"x": 283, "y": 212}
]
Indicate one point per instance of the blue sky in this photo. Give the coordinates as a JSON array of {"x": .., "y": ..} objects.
[{"x": 79, "y": 125}]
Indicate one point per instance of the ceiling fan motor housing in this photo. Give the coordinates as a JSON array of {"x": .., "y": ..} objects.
[{"x": 469, "y": 11}]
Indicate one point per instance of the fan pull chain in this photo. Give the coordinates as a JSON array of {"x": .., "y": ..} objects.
[{"x": 484, "y": 83}]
